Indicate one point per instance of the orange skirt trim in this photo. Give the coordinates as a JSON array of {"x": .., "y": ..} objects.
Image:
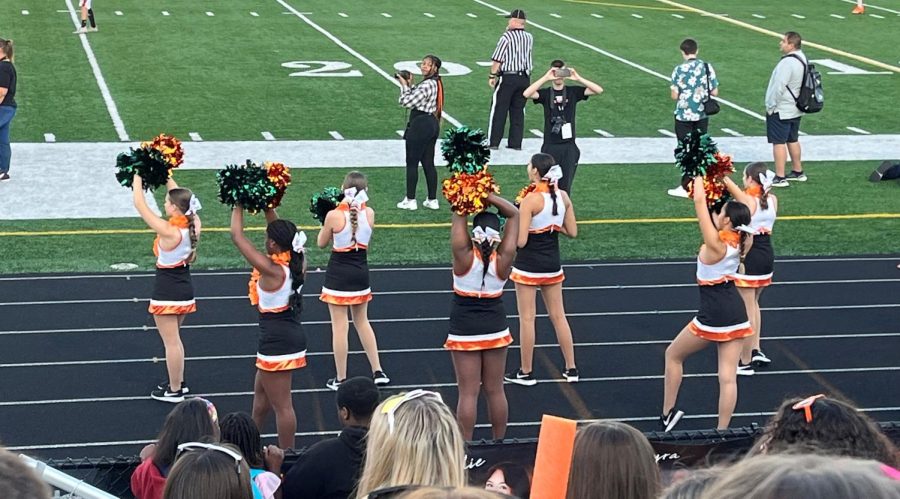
[
  {"x": 752, "y": 283},
  {"x": 172, "y": 309},
  {"x": 536, "y": 281},
  {"x": 474, "y": 346},
  {"x": 284, "y": 365},
  {"x": 345, "y": 300},
  {"x": 735, "y": 334}
]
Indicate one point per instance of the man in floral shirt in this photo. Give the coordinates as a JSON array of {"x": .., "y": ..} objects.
[{"x": 690, "y": 89}]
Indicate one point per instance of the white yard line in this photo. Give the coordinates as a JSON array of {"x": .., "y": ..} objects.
[
  {"x": 837, "y": 16},
  {"x": 678, "y": 16},
  {"x": 166, "y": 13},
  {"x": 343, "y": 14},
  {"x": 469, "y": 14},
  {"x": 556, "y": 16},
  {"x": 98, "y": 75},
  {"x": 620, "y": 59},
  {"x": 537, "y": 133},
  {"x": 267, "y": 135},
  {"x": 637, "y": 16},
  {"x": 603, "y": 133},
  {"x": 210, "y": 14},
  {"x": 25, "y": 12},
  {"x": 858, "y": 130},
  {"x": 732, "y": 132},
  {"x": 119, "y": 13},
  {"x": 667, "y": 133},
  {"x": 876, "y": 16},
  {"x": 49, "y": 137},
  {"x": 428, "y": 14},
  {"x": 254, "y": 14},
  {"x": 598, "y": 16},
  {"x": 354, "y": 53},
  {"x": 798, "y": 16},
  {"x": 759, "y": 16},
  {"x": 385, "y": 14},
  {"x": 195, "y": 136},
  {"x": 336, "y": 135}
]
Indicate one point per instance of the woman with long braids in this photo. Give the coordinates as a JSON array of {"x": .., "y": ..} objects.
[
  {"x": 275, "y": 288},
  {"x": 426, "y": 103},
  {"x": 479, "y": 334},
  {"x": 346, "y": 289},
  {"x": 760, "y": 260},
  {"x": 175, "y": 248},
  {"x": 722, "y": 317},
  {"x": 544, "y": 214}
]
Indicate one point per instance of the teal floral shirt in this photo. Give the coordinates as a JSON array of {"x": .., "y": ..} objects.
[{"x": 689, "y": 80}]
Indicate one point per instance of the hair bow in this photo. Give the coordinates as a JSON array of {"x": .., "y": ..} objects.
[
  {"x": 767, "y": 178},
  {"x": 193, "y": 206},
  {"x": 356, "y": 197},
  {"x": 298, "y": 241},
  {"x": 745, "y": 228},
  {"x": 553, "y": 174},
  {"x": 481, "y": 234}
]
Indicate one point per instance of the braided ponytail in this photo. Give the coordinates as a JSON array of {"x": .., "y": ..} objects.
[
  {"x": 542, "y": 162},
  {"x": 181, "y": 198},
  {"x": 192, "y": 233},
  {"x": 754, "y": 170},
  {"x": 354, "y": 223},
  {"x": 282, "y": 232},
  {"x": 741, "y": 248},
  {"x": 553, "y": 197}
]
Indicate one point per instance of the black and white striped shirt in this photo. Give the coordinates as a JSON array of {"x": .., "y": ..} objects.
[
  {"x": 513, "y": 51},
  {"x": 422, "y": 97}
]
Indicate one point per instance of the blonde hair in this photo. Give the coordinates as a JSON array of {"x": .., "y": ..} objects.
[
  {"x": 359, "y": 181},
  {"x": 804, "y": 475},
  {"x": 457, "y": 493},
  {"x": 425, "y": 447}
]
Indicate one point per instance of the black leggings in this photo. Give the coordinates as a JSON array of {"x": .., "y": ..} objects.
[{"x": 421, "y": 136}]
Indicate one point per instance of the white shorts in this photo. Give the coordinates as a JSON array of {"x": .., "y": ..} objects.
[{"x": 86, "y": 3}]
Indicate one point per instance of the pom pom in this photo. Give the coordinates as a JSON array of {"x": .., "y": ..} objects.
[
  {"x": 323, "y": 202},
  {"x": 465, "y": 150},
  {"x": 247, "y": 185},
  {"x": 701, "y": 158},
  {"x": 695, "y": 154},
  {"x": 169, "y": 147},
  {"x": 467, "y": 192},
  {"x": 280, "y": 177},
  {"x": 528, "y": 189},
  {"x": 147, "y": 162}
]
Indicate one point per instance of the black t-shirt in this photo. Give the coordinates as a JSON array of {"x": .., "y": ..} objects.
[
  {"x": 8, "y": 81},
  {"x": 559, "y": 108}
]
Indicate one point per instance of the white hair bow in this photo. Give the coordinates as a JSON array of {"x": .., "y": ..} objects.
[
  {"x": 481, "y": 234},
  {"x": 745, "y": 228},
  {"x": 298, "y": 241},
  {"x": 193, "y": 206},
  {"x": 766, "y": 178},
  {"x": 356, "y": 197},
  {"x": 553, "y": 174}
]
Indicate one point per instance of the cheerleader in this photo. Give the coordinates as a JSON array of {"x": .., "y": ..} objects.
[
  {"x": 479, "y": 334},
  {"x": 722, "y": 317},
  {"x": 175, "y": 248},
  {"x": 760, "y": 261},
  {"x": 275, "y": 287},
  {"x": 544, "y": 214},
  {"x": 349, "y": 228}
]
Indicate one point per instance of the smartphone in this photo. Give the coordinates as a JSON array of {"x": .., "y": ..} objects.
[{"x": 562, "y": 72}]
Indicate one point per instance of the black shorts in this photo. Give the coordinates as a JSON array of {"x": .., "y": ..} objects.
[
  {"x": 684, "y": 128},
  {"x": 780, "y": 131}
]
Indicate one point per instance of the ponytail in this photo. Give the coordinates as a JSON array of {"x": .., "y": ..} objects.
[
  {"x": 7, "y": 47},
  {"x": 296, "y": 268},
  {"x": 741, "y": 248},
  {"x": 764, "y": 199},
  {"x": 553, "y": 197},
  {"x": 487, "y": 249},
  {"x": 354, "y": 222},
  {"x": 192, "y": 233},
  {"x": 438, "y": 112}
]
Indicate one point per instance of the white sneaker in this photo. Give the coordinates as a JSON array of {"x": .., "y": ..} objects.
[
  {"x": 678, "y": 192},
  {"x": 431, "y": 204},
  {"x": 80, "y": 31},
  {"x": 409, "y": 204},
  {"x": 93, "y": 30}
]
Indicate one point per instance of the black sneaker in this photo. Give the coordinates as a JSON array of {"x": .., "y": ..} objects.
[
  {"x": 668, "y": 421},
  {"x": 571, "y": 375},
  {"x": 380, "y": 378},
  {"x": 759, "y": 359},
  {"x": 796, "y": 176},
  {"x": 334, "y": 383},
  {"x": 745, "y": 369},
  {"x": 520, "y": 378},
  {"x": 164, "y": 395},
  {"x": 4, "y": 177},
  {"x": 881, "y": 170},
  {"x": 165, "y": 384},
  {"x": 780, "y": 182}
]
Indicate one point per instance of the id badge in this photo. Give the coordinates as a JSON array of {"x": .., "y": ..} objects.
[{"x": 566, "y": 131}]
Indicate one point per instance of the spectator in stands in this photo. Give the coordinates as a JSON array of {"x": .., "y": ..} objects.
[
  {"x": 191, "y": 420},
  {"x": 511, "y": 479},
  {"x": 826, "y": 426},
  {"x": 804, "y": 476},
  {"x": 449, "y": 493},
  {"x": 238, "y": 429},
  {"x": 209, "y": 471},
  {"x": 330, "y": 468},
  {"x": 414, "y": 439},
  {"x": 18, "y": 480},
  {"x": 612, "y": 460},
  {"x": 693, "y": 485}
]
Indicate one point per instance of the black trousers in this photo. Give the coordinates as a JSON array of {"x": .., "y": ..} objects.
[
  {"x": 566, "y": 156},
  {"x": 684, "y": 128},
  {"x": 421, "y": 135},
  {"x": 508, "y": 99}
]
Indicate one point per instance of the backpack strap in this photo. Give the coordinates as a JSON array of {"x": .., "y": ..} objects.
[{"x": 805, "y": 72}]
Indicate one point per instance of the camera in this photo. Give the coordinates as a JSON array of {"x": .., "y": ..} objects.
[
  {"x": 557, "y": 124},
  {"x": 562, "y": 72},
  {"x": 404, "y": 74}
]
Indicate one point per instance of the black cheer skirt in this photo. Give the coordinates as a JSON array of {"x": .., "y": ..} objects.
[
  {"x": 173, "y": 292},
  {"x": 281, "y": 343}
]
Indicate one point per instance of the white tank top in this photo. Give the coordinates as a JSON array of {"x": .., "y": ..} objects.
[
  {"x": 176, "y": 257},
  {"x": 343, "y": 240},
  {"x": 471, "y": 284},
  {"x": 762, "y": 220},
  {"x": 719, "y": 272},
  {"x": 545, "y": 220},
  {"x": 271, "y": 302}
]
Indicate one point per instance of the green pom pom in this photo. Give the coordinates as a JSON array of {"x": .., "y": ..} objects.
[
  {"x": 465, "y": 149},
  {"x": 146, "y": 162},
  {"x": 695, "y": 154},
  {"x": 247, "y": 185},
  {"x": 323, "y": 202}
]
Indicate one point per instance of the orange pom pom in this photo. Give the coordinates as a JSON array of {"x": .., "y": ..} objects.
[
  {"x": 467, "y": 192},
  {"x": 169, "y": 147}
]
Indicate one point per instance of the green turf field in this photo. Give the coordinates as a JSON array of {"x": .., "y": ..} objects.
[
  {"x": 602, "y": 195},
  {"x": 224, "y": 76}
]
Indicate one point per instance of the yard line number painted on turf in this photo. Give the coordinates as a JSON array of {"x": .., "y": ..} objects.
[{"x": 342, "y": 69}]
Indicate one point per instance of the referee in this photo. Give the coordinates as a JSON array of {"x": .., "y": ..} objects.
[{"x": 509, "y": 78}]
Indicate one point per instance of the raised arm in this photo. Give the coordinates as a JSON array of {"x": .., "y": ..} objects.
[
  {"x": 327, "y": 230},
  {"x": 460, "y": 243},
  {"x": 532, "y": 91},
  {"x": 714, "y": 248},
  {"x": 570, "y": 225},
  {"x": 506, "y": 253},
  {"x": 257, "y": 260},
  {"x": 591, "y": 88},
  {"x": 164, "y": 229},
  {"x": 271, "y": 215},
  {"x": 526, "y": 208},
  {"x": 738, "y": 194}
]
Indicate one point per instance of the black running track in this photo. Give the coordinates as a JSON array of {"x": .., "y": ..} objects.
[{"x": 78, "y": 353}]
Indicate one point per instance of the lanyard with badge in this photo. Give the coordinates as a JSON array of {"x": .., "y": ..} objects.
[{"x": 558, "y": 119}]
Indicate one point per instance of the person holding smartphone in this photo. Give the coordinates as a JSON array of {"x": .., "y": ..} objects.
[{"x": 559, "y": 101}]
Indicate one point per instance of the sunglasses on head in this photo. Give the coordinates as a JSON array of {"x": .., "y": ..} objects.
[
  {"x": 192, "y": 446},
  {"x": 806, "y": 406},
  {"x": 390, "y": 405}
]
